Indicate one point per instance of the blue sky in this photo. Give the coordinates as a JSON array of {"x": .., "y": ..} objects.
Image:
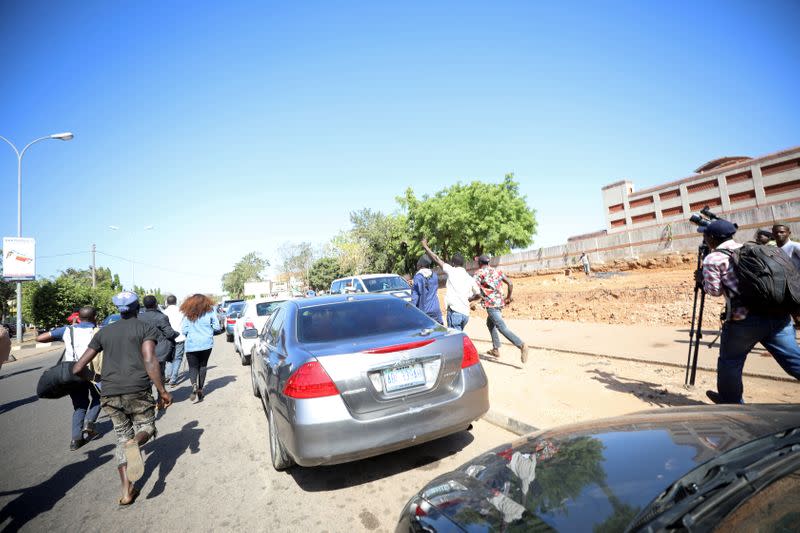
[{"x": 233, "y": 126}]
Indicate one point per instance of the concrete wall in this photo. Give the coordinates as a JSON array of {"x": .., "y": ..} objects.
[
  {"x": 666, "y": 238},
  {"x": 754, "y": 183}
]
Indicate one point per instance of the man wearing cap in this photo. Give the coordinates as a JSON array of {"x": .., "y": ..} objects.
[
  {"x": 490, "y": 282},
  {"x": 742, "y": 328},
  {"x": 130, "y": 368},
  {"x": 423, "y": 290}
]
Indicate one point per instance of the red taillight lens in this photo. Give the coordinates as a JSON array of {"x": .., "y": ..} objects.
[
  {"x": 470, "y": 353},
  {"x": 401, "y": 347},
  {"x": 231, "y": 321},
  {"x": 249, "y": 325},
  {"x": 310, "y": 381}
]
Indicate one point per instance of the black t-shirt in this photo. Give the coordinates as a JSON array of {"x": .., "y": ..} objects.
[{"x": 123, "y": 366}]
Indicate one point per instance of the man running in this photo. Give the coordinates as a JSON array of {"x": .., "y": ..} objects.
[
  {"x": 460, "y": 288},
  {"x": 130, "y": 368},
  {"x": 489, "y": 281}
]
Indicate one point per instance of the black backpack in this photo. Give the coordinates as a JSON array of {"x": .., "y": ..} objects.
[{"x": 769, "y": 283}]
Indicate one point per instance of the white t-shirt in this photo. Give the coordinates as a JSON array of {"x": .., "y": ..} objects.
[
  {"x": 460, "y": 286},
  {"x": 82, "y": 338},
  {"x": 175, "y": 320},
  {"x": 792, "y": 249}
]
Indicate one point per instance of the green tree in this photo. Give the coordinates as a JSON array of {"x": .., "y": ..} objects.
[
  {"x": 7, "y": 293},
  {"x": 142, "y": 292},
  {"x": 103, "y": 277},
  {"x": 323, "y": 272},
  {"x": 474, "y": 219},
  {"x": 249, "y": 268},
  {"x": 382, "y": 237},
  {"x": 50, "y": 302}
]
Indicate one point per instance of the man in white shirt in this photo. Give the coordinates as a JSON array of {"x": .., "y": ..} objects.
[
  {"x": 460, "y": 288},
  {"x": 781, "y": 232},
  {"x": 175, "y": 319}
]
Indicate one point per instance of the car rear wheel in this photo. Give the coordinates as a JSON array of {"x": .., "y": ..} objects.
[
  {"x": 280, "y": 459},
  {"x": 246, "y": 358},
  {"x": 253, "y": 382}
]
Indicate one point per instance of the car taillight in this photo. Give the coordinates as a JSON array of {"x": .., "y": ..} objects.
[
  {"x": 310, "y": 381},
  {"x": 231, "y": 321},
  {"x": 470, "y": 353},
  {"x": 401, "y": 347},
  {"x": 249, "y": 325}
]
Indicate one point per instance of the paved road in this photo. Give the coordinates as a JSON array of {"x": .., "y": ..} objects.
[{"x": 208, "y": 470}]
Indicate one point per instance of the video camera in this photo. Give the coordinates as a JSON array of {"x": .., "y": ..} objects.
[{"x": 705, "y": 217}]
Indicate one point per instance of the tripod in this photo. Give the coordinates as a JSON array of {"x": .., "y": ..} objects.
[{"x": 696, "y": 333}]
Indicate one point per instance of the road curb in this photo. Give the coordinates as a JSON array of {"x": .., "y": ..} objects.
[
  {"x": 644, "y": 360},
  {"x": 508, "y": 423}
]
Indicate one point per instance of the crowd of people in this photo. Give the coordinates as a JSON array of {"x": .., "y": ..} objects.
[{"x": 124, "y": 361}]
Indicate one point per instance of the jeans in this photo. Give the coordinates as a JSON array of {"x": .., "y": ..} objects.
[
  {"x": 198, "y": 361},
  {"x": 86, "y": 405},
  {"x": 174, "y": 368},
  {"x": 456, "y": 320},
  {"x": 739, "y": 337},
  {"x": 495, "y": 323}
]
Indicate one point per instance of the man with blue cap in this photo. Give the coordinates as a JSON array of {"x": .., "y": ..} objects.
[
  {"x": 742, "y": 328},
  {"x": 130, "y": 368}
]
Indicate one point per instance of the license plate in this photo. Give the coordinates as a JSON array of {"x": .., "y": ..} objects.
[{"x": 403, "y": 377}]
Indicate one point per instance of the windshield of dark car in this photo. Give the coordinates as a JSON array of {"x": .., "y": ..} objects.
[
  {"x": 387, "y": 283},
  {"x": 349, "y": 320},
  {"x": 265, "y": 308}
]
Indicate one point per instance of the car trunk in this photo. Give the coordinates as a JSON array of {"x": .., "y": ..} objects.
[{"x": 386, "y": 374}]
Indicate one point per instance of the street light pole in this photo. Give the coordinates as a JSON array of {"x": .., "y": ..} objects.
[{"x": 66, "y": 136}]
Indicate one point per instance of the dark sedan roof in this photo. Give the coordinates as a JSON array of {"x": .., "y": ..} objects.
[
  {"x": 583, "y": 476},
  {"x": 304, "y": 303}
]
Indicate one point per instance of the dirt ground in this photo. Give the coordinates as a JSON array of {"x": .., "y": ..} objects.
[
  {"x": 648, "y": 291},
  {"x": 607, "y": 387}
]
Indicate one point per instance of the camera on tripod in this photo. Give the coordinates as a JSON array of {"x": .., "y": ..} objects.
[
  {"x": 705, "y": 217},
  {"x": 701, "y": 220}
]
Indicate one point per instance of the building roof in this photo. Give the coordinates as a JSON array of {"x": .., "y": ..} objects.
[{"x": 721, "y": 162}]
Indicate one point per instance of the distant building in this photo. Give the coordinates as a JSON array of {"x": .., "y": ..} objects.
[
  {"x": 258, "y": 289},
  {"x": 727, "y": 185}
]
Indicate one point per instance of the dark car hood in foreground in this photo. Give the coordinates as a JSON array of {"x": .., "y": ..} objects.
[{"x": 596, "y": 475}]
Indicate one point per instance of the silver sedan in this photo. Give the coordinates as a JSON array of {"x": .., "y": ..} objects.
[{"x": 347, "y": 377}]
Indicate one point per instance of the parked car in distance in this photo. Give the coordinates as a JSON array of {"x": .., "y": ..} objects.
[
  {"x": 11, "y": 327},
  {"x": 110, "y": 319},
  {"x": 347, "y": 377},
  {"x": 373, "y": 283},
  {"x": 222, "y": 309},
  {"x": 234, "y": 312},
  {"x": 252, "y": 320},
  {"x": 699, "y": 468}
]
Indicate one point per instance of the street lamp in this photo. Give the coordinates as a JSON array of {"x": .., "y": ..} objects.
[
  {"x": 133, "y": 261},
  {"x": 66, "y": 136}
]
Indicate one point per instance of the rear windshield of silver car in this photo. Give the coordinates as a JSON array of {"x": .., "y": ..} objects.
[
  {"x": 236, "y": 307},
  {"x": 388, "y": 283},
  {"x": 350, "y": 320},
  {"x": 266, "y": 308}
]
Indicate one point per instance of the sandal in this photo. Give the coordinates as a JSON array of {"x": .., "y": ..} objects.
[
  {"x": 134, "y": 494},
  {"x": 134, "y": 458}
]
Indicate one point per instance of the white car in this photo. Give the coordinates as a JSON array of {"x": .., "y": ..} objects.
[
  {"x": 253, "y": 318},
  {"x": 373, "y": 283}
]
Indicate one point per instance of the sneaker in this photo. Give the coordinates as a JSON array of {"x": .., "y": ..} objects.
[
  {"x": 199, "y": 395},
  {"x": 173, "y": 384},
  {"x": 523, "y": 353},
  {"x": 89, "y": 433},
  {"x": 494, "y": 352},
  {"x": 76, "y": 443},
  {"x": 193, "y": 395}
]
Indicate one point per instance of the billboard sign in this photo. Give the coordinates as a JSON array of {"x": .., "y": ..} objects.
[{"x": 19, "y": 259}]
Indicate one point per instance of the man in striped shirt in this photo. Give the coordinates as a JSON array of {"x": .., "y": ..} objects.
[{"x": 742, "y": 329}]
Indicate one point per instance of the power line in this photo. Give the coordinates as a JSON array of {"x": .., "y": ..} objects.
[
  {"x": 151, "y": 266},
  {"x": 60, "y": 255}
]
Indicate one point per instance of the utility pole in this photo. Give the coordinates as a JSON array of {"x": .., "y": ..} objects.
[{"x": 94, "y": 269}]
